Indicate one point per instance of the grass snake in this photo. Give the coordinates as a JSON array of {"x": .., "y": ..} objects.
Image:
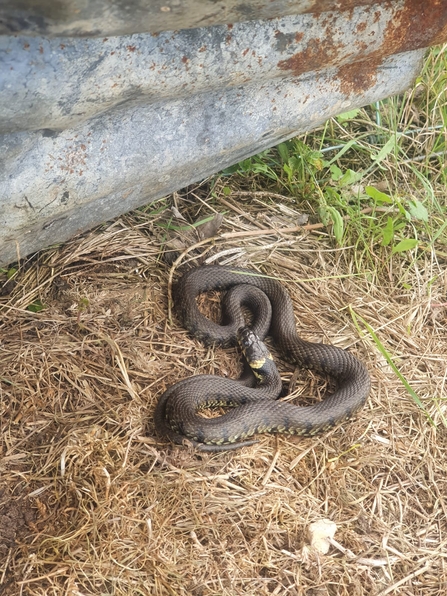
[{"x": 254, "y": 409}]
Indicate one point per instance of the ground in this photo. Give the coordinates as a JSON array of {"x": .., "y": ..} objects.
[{"x": 94, "y": 502}]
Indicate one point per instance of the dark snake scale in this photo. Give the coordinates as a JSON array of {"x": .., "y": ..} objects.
[{"x": 254, "y": 409}]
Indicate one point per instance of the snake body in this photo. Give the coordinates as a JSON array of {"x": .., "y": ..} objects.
[{"x": 257, "y": 410}]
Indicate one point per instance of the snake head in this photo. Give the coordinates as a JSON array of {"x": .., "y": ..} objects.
[{"x": 255, "y": 350}]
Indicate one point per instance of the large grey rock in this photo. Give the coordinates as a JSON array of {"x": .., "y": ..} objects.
[{"x": 93, "y": 127}]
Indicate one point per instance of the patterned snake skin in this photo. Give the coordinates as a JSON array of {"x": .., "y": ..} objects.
[{"x": 176, "y": 414}]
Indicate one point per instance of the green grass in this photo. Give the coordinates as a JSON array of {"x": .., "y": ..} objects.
[{"x": 375, "y": 176}]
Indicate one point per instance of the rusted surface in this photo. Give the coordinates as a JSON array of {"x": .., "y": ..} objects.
[
  {"x": 51, "y": 187},
  {"x": 84, "y": 78},
  {"x": 396, "y": 26},
  {"x": 416, "y": 24},
  {"x": 358, "y": 78}
]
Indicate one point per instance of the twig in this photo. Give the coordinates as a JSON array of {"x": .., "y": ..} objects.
[{"x": 402, "y": 581}]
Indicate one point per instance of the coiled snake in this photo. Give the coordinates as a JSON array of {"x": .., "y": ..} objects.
[{"x": 255, "y": 409}]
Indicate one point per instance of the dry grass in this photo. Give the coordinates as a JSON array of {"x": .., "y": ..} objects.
[{"x": 92, "y": 502}]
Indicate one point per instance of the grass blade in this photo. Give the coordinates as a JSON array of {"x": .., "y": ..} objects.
[{"x": 388, "y": 358}]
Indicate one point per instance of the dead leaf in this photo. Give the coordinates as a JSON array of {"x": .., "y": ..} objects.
[{"x": 211, "y": 227}]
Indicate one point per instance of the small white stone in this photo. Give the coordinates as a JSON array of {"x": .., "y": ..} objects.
[{"x": 320, "y": 533}]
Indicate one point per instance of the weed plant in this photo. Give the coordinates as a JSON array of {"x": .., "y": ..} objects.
[{"x": 376, "y": 175}]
